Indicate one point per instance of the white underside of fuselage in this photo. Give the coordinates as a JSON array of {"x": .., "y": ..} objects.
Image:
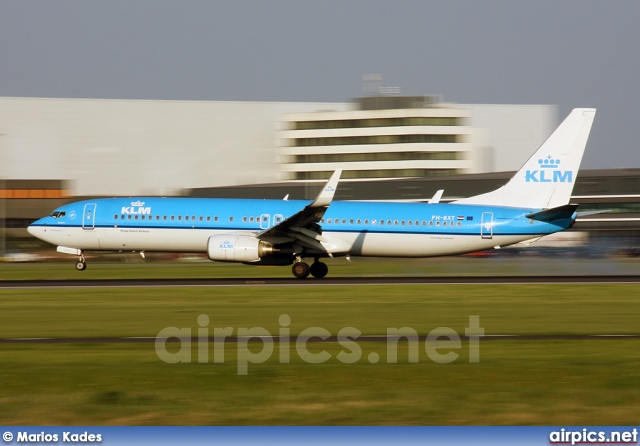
[{"x": 374, "y": 244}]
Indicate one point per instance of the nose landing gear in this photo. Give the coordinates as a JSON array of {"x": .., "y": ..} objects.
[{"x": 82, "y": 264}]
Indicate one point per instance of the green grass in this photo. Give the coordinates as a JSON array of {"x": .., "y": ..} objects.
[
  {"x": 516, "y": 382},
  {"x": 503, "y": 309},
  {"x": 133, "y": 266}
]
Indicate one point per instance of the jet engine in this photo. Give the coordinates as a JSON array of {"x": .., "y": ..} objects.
[{"x": 237, "y": 248}]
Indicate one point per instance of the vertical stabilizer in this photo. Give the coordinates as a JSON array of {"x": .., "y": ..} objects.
[{"x": 546, "y": 180}]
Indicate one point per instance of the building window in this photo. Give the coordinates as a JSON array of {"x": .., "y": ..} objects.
[
  {"x": 375, "y": 139},
  {"x": 377, "y": 173},
  {"x": 376, "y": 122},
  {"x": 380, "y": 156}
]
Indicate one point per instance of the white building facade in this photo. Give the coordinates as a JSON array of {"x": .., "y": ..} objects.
[
  {"x": 400, "y": 137},
  {"x": 131, "y": 147},
  {"x": 386, "y": 137}
]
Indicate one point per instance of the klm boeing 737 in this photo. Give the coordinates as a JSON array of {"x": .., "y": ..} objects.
[{"x": 534, "y": 203}]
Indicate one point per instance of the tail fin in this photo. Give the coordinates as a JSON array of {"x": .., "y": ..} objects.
[{"x": 547, "y": 178}]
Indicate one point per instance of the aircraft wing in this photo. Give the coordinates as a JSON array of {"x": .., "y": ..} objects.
[{"x": 303, "y": 225}]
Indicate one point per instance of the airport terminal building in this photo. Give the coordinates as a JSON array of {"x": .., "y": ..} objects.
[{"x": 131, "y": 147}]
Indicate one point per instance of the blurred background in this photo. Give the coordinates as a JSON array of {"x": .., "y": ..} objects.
[{"x": 261, "y": 101}]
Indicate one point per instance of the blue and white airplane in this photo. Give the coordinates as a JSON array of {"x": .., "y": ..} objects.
[{"x": 534, "y": 203}]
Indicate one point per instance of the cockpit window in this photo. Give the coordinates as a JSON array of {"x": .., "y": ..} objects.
[{"x": 58, "y": 214}]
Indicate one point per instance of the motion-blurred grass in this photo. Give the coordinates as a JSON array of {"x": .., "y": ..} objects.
[
  {"x": 516, "y": 382},
  {"x": 503, "y": 309},
  {"x": 132, "y": 266},
  {"x": 524, "y": 382}
]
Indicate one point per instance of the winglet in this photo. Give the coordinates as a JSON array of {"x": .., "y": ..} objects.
[
  {"x": 325, "y": 197},
  {"x": 436, "y": 197}
]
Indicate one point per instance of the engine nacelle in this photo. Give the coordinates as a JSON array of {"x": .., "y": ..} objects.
[{"x": 237, "y": 248}]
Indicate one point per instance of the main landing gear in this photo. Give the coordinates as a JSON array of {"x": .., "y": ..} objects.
[
  {"x": 301, "y": 270},
  {"x": 82, "y": 264}
]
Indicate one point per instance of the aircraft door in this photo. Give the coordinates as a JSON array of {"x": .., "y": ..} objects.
[
  {"x": 486, "y": 225},
  {"x": 264, "y": 221},
  {"x": 89, "y": 216}
]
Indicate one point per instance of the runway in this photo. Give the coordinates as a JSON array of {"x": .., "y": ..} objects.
[
  {"x": 292, "y": 340},
  {"x": 338, "y": 281}
]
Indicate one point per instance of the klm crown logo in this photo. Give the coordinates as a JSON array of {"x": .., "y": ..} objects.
[
  {"x": 136, "y": 208},
  {"x": 549, "y": 172}
]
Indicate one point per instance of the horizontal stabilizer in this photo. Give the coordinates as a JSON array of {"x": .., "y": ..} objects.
[
  {"x": 553, "y": 214},
  {"x": 586, "y": 213}
]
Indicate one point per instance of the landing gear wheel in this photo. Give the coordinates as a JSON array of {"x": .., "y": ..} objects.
[
  {"x": 300, "y": 270},
  {"x": 81, "y": 266},
  {"x": 319, "y": 270}
]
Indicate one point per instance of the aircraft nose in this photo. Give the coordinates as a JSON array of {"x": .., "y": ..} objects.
[
  {"x": 34, "y": 228},
  {"x": 31, "y": 229}
]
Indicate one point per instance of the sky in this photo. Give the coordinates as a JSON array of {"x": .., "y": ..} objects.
[{"x": 570, "y": 53}]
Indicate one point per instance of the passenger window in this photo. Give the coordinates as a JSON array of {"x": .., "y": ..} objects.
[
  {"x": 244, "y": 219},
  {"x": 402, "y": 223},
  {"x": 215, "y": 218},
  {"x": 115, "y": 217},
  {"x": 437, "y": 223},
  {"x": 201, "y": 218},
  {"x": 459, "y": 223},
  {"x": 395, "y": 222},
  {"x": 173, "y": 218},
  {"x": 351, "y": 221},
  {"x": 389, "y": 222},
  {"x": 230, "y": 218},
  {"x": 358, "y": 221},
  {"x": 381, "y": 222},
  {"x": 424, "y": 223},
  {"x": 128, "y": 217}
]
